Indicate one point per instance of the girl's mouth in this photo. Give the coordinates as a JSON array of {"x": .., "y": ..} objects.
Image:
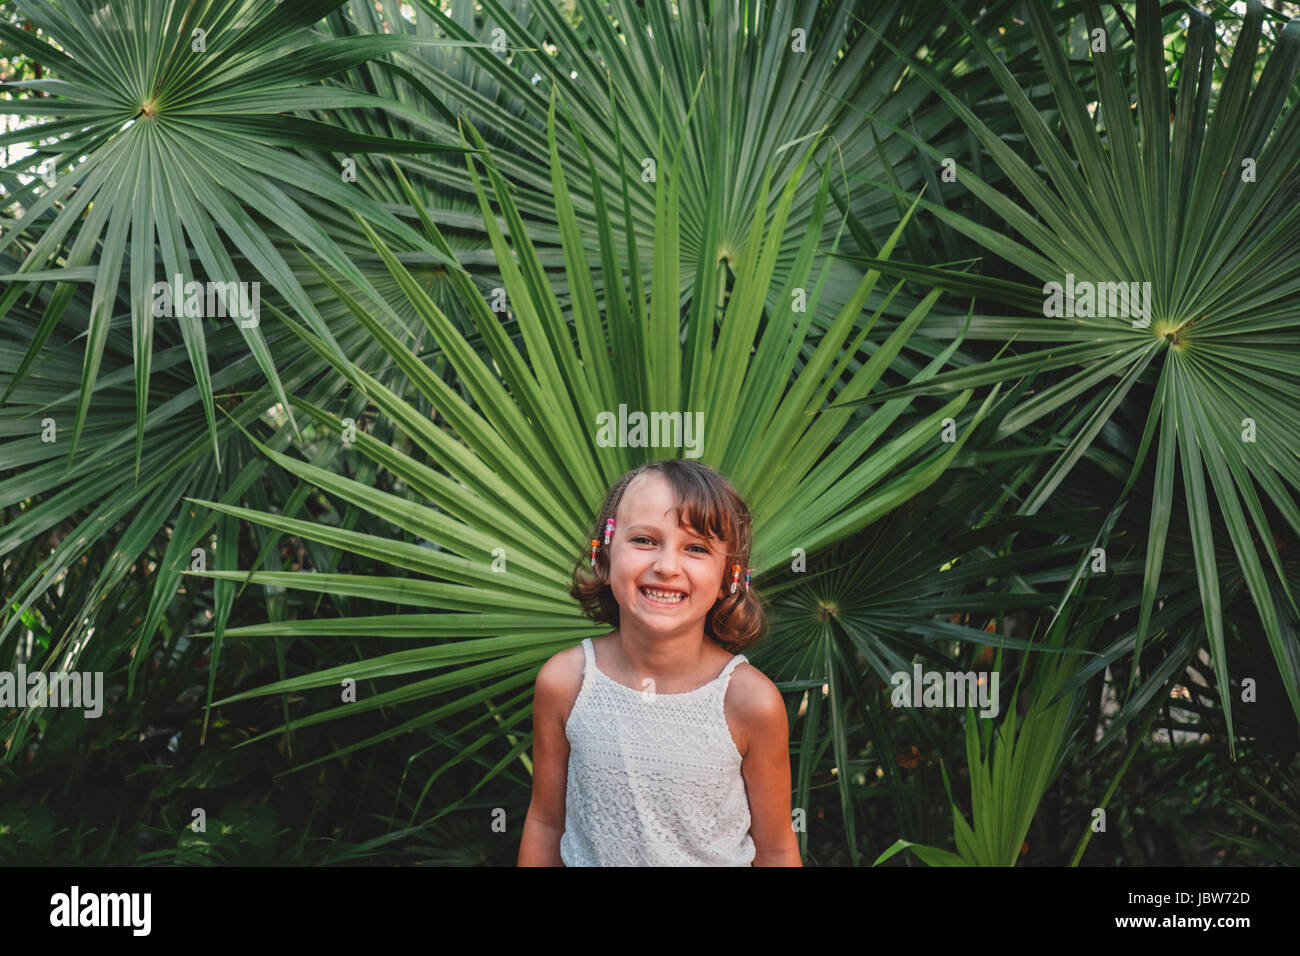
[{"x": 666, "y": 598}]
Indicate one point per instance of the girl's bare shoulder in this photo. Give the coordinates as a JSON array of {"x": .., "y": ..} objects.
[
  {"x": 560, "y": 680},
  {"x": 752, "y": 699},
  {"x": 753, "y": 687}
]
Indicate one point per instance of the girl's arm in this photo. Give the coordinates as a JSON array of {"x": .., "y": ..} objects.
[
  {"x": 544, "y": 824},
  {"x": 766, "y": 769}
]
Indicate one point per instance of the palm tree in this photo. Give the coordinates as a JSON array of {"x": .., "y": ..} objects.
[
  {"x": 220, "y": 143},
  {"x": 1198, "y": 209},
  {"x": 529, "y": 459},
  {"x": 178, "y": 133},
  {"x": 724, "y": 282},
  {"x": 171, "y": 149}
]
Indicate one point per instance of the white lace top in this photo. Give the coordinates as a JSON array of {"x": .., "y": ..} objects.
[{"x": 654, "y": 779}]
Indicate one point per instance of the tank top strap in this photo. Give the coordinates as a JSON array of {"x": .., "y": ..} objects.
[
  {"x": 588, "y": 673},
  {"x": 725, "y": 677}
]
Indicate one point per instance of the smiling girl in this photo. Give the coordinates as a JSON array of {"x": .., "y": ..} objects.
[{"x": 657, "y": 744}]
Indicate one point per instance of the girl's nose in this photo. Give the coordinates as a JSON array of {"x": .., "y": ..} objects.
[{"x": 666, "y": 563}]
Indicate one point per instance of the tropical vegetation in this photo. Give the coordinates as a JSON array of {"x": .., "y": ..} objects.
[{"x": 830, "y": 228}]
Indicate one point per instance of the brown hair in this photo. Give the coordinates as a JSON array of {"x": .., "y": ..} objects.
[{"x": 707, "y": 503}]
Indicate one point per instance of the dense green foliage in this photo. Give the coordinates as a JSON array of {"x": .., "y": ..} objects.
[{"x": 826, "y": 226}]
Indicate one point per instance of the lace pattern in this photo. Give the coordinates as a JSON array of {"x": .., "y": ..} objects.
[{"x": 654, "y": 780}]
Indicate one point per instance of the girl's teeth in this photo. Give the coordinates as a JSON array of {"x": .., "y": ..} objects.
[{"x": 661, "y": 596}]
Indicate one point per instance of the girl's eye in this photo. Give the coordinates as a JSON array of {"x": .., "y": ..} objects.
[{"x": 641, "y": 538}]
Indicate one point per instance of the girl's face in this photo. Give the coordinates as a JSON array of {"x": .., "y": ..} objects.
[{"x": 651, "y": 552}]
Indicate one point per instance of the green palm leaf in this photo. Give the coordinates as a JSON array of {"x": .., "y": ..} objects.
[
  {"x": 1201, "y": 207},
  {"x": 524, "y": 455},
  {"x": 173, "y": 139},
  {"x": 56, "y": 517},
  {"x": 1009, "y": 777},
  {"x": 624, "y": 69}
]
